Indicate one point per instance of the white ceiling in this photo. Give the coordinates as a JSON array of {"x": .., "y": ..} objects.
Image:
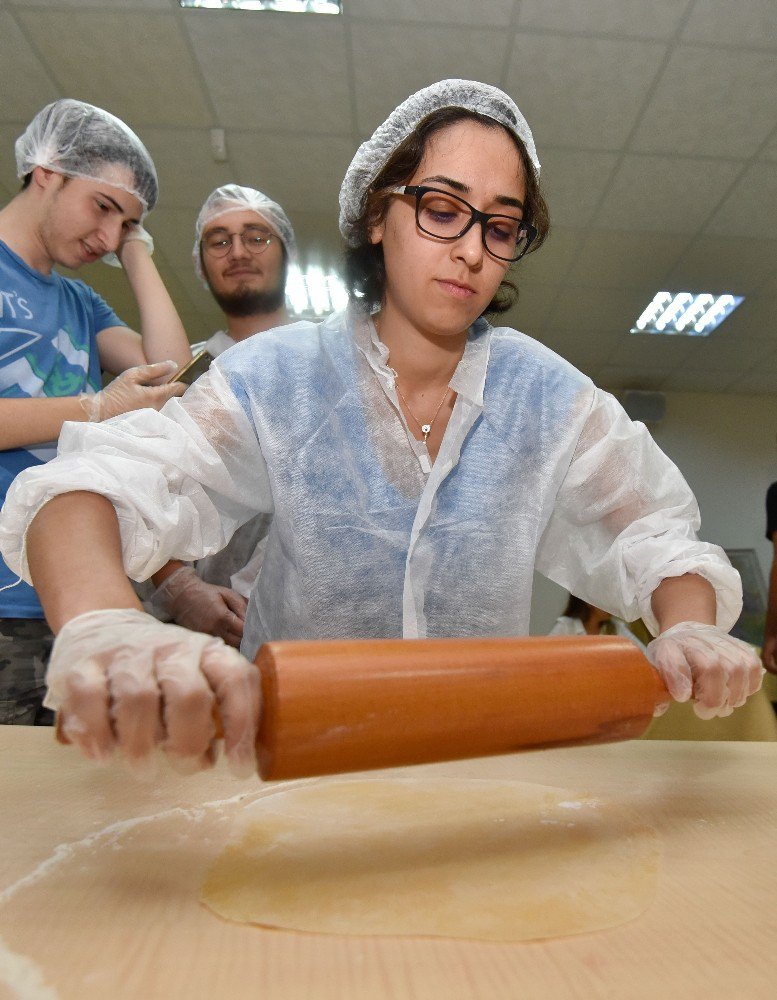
[{"x": 655, "y": 120}]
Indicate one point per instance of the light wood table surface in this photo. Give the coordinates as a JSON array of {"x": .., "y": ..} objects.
[{"x": 94, "y": 906}]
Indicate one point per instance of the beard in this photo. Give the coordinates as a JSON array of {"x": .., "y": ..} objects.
[{"x": 247, "y": 302}]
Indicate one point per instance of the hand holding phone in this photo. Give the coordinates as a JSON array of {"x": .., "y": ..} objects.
[{"x": 190, "y": 372}]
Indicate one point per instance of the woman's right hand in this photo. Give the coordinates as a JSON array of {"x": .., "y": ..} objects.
[{"x": 121, "y": 680}]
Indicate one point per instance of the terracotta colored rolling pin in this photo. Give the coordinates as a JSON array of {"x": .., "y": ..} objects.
[{"x": 353, "y": 705}]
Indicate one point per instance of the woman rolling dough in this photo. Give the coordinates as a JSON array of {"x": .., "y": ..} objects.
[{"x": 418, "y": 462}]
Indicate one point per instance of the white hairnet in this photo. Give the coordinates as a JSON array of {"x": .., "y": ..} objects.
[
  {"x": 234, "y": 198},
  {"x": 373, "y": 154},
  {"x": 80, "y": 140}
]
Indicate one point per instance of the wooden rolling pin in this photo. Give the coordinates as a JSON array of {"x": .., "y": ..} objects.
[{"x": 353, "y": 705}]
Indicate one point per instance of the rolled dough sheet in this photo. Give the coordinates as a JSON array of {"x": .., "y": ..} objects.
[{"x": 486, "y": 860}]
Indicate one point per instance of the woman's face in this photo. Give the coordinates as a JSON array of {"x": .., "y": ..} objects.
[{"x": 440, "y": 287}]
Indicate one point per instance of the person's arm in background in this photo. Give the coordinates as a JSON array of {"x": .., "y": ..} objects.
[
  {"x": 162, "y": 336},
  {"x": 769, "y": 645},
  {"x": 196, "y": 604},
  {"x": 137, "y": 358},
  {"x": 769, "y": 650}
]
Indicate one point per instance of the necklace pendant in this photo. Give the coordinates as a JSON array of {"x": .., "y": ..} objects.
[{"x": 425, "y": 429}]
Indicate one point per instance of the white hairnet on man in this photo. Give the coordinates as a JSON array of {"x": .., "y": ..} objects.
[
  {"x": 236, "y": 198},
  {"x": 80, "y": 140}
]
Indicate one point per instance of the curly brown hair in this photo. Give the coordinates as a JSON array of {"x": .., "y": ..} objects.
[{"x": 365, "y": 271}]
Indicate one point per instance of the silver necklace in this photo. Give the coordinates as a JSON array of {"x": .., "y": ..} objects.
[{"x": 425, "y": 428}]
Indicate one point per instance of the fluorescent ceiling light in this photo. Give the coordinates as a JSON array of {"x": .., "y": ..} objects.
[
  {"x": 290, "y": 6},
  {"x": 694, "y": 314},
  {"x": 312, "y": 294}
]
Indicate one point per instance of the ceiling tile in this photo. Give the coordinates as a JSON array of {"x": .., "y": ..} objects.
[
  {"x": 768, "y": 362},
  {"x": 581, "y": 92},
  {"x": 484, "y": 12},
  {"x": 96, "y": 4},
  {"x": 86, "y": 53},
  {"x": 580, "y": 349},
  {"x": 720, "y": 22},
  {"x": 185, "y": 164},
  {"x": 27, "y": 84},
  {"x": 392, "y": 62},
  {"x": 711, "y": 101},
  {"x": 756, "y": 317},
  {"x": 697, "y": 381},
  {"x": 754, "y": 383},
  {"x": 769, "y": 152},
  {"x": 288, "y": 168},
  {"x": 586, "y": 309},
  {"x": 727, "y": 349},
  {"x": 639, "y": 18},
  {"x": 550, "y": 263},
  {"x": 530, "y": 311},
  {"x": 8, "y": 136},
  {"x": 616, "y": 379},
  {"x": 173, "y": 232},
  {"x": 650, "y": 351},
  {"x": 573, "y": 182},
  {"x": 318, "y": 238},
  {"x": 665, "y": 194},
  {"x": 750, "y": 208},
  {"x": 623, "y": 223},
  {"x": 275, "y": 72},
  {"x": 625, "y": 260},
  {"x": 713, "y": 264}
]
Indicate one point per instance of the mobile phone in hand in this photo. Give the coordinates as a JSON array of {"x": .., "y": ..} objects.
[{"x": 199, "y": 364}]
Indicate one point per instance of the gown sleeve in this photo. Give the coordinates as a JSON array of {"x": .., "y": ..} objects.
[
  {"x": 625, "y": 519},
  {"x": 182, "y": 480}
]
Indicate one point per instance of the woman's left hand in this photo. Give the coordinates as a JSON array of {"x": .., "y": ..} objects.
[{"x": 707, "y": 664}]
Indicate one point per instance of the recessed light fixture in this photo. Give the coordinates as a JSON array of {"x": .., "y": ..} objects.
[
  {"x": 290, "y": 6},
  {"x": 313, "y": 293},
  {"x": 694, "y": 314}
]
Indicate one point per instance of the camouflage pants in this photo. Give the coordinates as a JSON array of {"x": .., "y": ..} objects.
[{"x": 25, "y": 647}]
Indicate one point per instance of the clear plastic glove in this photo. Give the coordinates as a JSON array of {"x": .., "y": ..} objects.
[
  {"x": 136, "y": 233},
  {"x": 707, "y": 664},
  {"x": 120, "y": 679},
  {"x": 134, "y": 389},
  {"x": 205, "y": 607}
]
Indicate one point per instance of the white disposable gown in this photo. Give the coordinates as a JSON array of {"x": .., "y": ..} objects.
[{"x": 537, "y": 467}]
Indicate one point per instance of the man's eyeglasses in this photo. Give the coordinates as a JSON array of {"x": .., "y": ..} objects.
[
  {"x": 447, "y": 217},
  {"x": 219, "y": 243}
]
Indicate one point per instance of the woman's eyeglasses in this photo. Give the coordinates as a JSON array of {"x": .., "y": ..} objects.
[{"x": 448, "y": 217}]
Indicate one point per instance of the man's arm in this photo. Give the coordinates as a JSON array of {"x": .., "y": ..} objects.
[
  {"x": 26, "y": 422},
  {"x": 33, "y": 421},
  {"x": 769, "y": 651},
  {"x": 162, "y": 336}
]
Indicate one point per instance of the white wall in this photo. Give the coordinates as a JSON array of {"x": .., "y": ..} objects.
[{"x": 726, "y": 447}]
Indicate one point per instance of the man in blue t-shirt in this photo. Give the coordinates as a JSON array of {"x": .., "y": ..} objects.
[{"x": 88, "y": 182}]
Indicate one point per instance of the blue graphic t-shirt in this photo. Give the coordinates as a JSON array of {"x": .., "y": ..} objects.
[{"x": 48, "y": 330}]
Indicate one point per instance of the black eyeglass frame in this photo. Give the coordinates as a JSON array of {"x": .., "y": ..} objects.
[
  {"x": 417, "y": 191},
  {"x": 253, "y": 245}
]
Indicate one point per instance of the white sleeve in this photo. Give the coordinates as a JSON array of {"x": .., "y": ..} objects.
[
  {"x": 182, "y": 480},
  {"x": 624, "y": 520}
]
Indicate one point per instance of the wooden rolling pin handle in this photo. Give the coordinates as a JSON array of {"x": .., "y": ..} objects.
[{"x": 353, "y": 705}]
